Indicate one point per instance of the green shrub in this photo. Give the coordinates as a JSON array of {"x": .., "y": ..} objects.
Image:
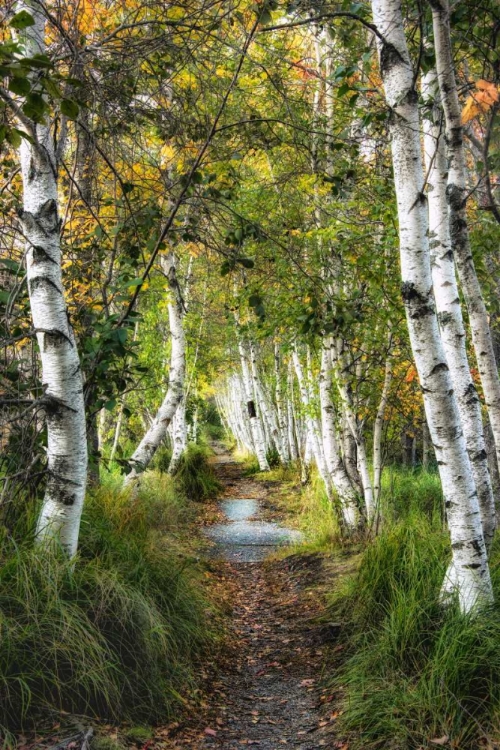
[
  {"x": 406, "y": 491},
  {"x": 195, "y": 478},
  {"x": 117, "y": 636},
  {"x": 414, "y": 670},
  {"x": 161, "y": 460}
]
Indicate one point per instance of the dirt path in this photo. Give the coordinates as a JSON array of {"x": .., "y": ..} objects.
[{"x": 267, "y": 692}]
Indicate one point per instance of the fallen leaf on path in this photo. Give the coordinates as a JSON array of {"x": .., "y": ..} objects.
[
  {"x": 440, "y": 740},
  {"x": 307, "y": 683},
  {"x": 210, "y": 732}
]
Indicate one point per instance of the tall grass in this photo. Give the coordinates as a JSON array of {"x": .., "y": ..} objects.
[
  {"x": 414, "y": 671},
  {"x": 118, "y": 634},
  {"x": 195, "y": 478}
]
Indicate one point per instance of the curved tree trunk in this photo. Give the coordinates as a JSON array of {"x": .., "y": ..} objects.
[
  {"x": 61, "y": 373},
  {"x": 472, "y": 581},
  {"x": 449, "y": 309},
  {"x": 154, "y": 436},
  {"x": 456, "y": 193}
]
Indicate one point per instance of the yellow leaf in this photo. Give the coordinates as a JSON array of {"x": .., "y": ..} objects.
[{"x": 485, "y": 96}]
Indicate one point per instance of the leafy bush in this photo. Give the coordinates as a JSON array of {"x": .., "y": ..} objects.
[
  {"x": 414, "y": 670},
  {"x": 117, "y": 635},
  {"x": 195, "y": 478}
]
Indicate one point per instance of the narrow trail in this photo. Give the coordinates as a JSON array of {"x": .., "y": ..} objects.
[{"x": 267, "y": 692}]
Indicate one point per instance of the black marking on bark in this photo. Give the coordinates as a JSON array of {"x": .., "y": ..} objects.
[
  {"x": 440, "y": 367},
  {"x": 471, "y": 393},
  {"x": 389, "y": 57},
  {"x": 420, "y": 304},
  {"x": 444, "y": 318},
  {"x": 40, "y": 255},
  {"x": 39, "y": 281},
  {"x": 47, "y": 218},
  {"x": 455, "y": 197},
  {"x": 32, "y": 170},
  {"x": 473, "y": 566},
  {"x": 421, "y": 198},
  {"x": 479, "y": 456},
  {"x": 55, "y": 406},
  {"x": 251, "y": 409},
  {"x": 57, "y": 336},
  {"x": 477, "y": 546}
]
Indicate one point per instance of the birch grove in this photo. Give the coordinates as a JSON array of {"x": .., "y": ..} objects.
[
  {"x": 312, "y": 168},
  {"x": 472, "y": 577}
]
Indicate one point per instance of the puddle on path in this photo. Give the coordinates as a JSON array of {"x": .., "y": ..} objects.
[{"x": 246, "y": 540}]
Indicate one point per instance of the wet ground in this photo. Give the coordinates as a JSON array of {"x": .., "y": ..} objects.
[
  {"x": 243, "y": 536},
  {"x": 266, "y": 690}
]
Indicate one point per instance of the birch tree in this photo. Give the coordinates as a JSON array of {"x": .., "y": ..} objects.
[
  {"x": 456, "y": 193},
  {"x": 472, "y": 578},
  {"x": 448, "y": 306},
  {"x": 141, "y": 458},
  {"x": 61, "y": 373}
]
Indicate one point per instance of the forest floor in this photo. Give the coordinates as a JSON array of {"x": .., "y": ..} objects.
[{"x": 267, "y": 688}]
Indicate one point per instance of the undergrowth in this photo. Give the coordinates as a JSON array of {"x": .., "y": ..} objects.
[
  {"x": 414, "y": 671},
  {"x": 195, "y": 478},
  {"x": 114, "y": 634}
]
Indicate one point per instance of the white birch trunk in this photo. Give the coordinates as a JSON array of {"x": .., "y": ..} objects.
[
  {"x": 267, "y": 408},
  {"x": 456, "y": 193},
  {"x": 377, "y": 432},
  {"x": 313, "y": 431},
  {"x": 179, "y": 436},
  {"x": 356, "y": 432},
  {"x": 473, "y": 581},
  {"x": 255, "y": 423},
  {"x": 338, "y": 476},
  {"x": 292, "y": 419},
  {"x": 281, "y": 414},
  {"x": 449, "y": 310},
  {"x": 61, "y": 373},
  {"x": 154, "y": 436}
]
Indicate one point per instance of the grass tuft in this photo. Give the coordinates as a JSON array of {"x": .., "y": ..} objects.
[
  {"x": 414, "y": 671},
  {"x": 195, "y": 478},
  {"x": 117, "y": 635}
]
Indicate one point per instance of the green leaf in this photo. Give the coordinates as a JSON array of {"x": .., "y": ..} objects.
[
  {"x": 20, "y": 86},
  {"x": 22, "y": 20},
  {"x": 51, "y": 88},
  {"x": 35, "y": 107},
  {"x": 110, "y": 405},
  {"x": 13, "y": 137},
  {"x": 135, "y": 282},
  {"x": 70, "y": 108}
]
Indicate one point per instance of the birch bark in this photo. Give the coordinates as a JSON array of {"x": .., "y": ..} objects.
[
  {"x": 456, "y": 193},
  {"x": 448, "y": 306},
  {"x": 61, "y": 373},
  {"x": 255, "y": 423},
  {"x": 472, "y": 582},
  {"x": 154, "y": 436},
  {"x": 313, "y": 430},
  {"x": 338, "y": 476},
  {"x": 377, "y": 432}
]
